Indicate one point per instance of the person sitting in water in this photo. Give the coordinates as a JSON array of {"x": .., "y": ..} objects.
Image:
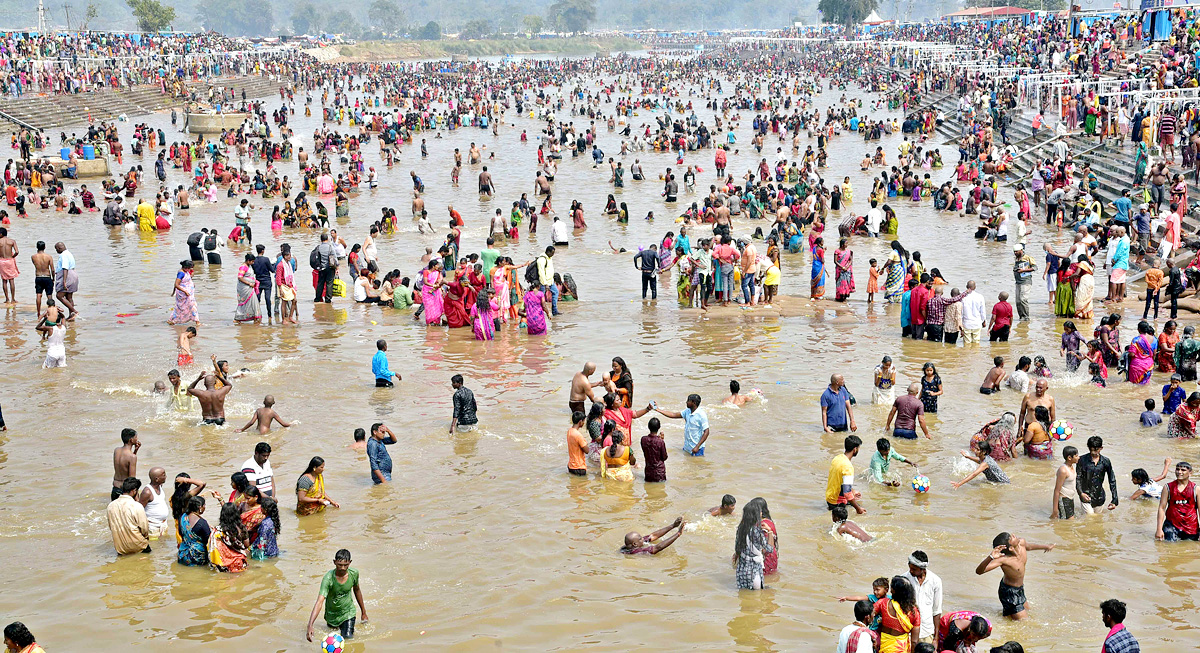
[
  {"x": 637, "y": 544},
  {"x": 735, "y": 397},
  {"x": 728, "y": 503},
  {"x": 995, "y": 377},
  {"x": 847, "y": 527}
]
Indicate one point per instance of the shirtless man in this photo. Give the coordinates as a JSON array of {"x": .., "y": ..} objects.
[
  {"x": 728, "y": 503},
  {"x": 486, "y": 187},
  {"x": 418, "y": 205},
  {"x": 1010, "y": 553},
  {"x": 211, "y": 398},
  {"x": 581, "y": 387},
  {"x": 735, "y": 397},
  {"x": 1038, "y": 397},
  {"x": 475, "y": 156},
  {"x": 8, "y": 267},
  {"x": 541, "y": 185},
  {"x": 124, "y": 461},
  {"x": 43, "y": 274},
  {"x": 995, "y": 378},
  {"x": 264, "y": 416},
  {"x": 636, "y": 544}
]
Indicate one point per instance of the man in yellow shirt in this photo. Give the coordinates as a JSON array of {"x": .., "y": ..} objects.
[
  {"x": 127, "y": 520},
  {"x": 839, "y": 490}
]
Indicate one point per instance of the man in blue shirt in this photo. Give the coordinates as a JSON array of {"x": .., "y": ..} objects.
[
  {"x": 695, "y": 425},
  {"x": 906, "y": 310},
  {"x": 836, "y": 413},
  {"x": 1122, "y": 206},
  {"x": 377, "y": 453},
  {"x": 379, "y": 365}
]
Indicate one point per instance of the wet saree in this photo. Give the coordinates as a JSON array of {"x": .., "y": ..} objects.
[
  {"x": 844, "y": 270},
  {"x": 191, "y": 550},
  {"x": 1141, "y": 359},
  {"x": 817, "y": 282},
  {"x": 185, "y": 302},
  {"x": 431, "y": 296}
]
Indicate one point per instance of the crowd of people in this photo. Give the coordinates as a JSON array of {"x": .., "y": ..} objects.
[{"x": 783, "y": 200}]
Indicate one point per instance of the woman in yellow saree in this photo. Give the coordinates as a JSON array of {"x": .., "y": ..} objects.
[
  {"x": 617, "y": 461},
  {"x": 900, "y": 621},
  {"x": 310, "y": 489}
]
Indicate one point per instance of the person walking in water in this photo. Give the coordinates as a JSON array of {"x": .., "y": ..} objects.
[{"x": 334, "y": 595}]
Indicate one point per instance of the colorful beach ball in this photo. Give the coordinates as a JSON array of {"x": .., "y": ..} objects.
[
  {"x": 920, "y": 483},
  {"x": 1061, "y": 430},
  {"x": 333, "y": 643}
]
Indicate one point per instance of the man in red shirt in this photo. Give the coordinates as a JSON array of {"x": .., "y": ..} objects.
[
  {"x": 1001, "y": 321},
  {"x": 918, "y": 300}
]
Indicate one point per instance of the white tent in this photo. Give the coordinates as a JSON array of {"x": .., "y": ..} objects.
[{"x": 873, "y": 18}]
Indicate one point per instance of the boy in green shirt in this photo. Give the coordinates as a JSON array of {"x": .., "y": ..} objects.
[
  {"x": 335, "y": 591},
  {"x": 881, "y": 462}
]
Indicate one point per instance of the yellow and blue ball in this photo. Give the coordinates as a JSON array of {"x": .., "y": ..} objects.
[{"x": 920, "y": 483}]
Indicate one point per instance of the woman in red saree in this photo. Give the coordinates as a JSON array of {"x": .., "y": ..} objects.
[
  {"x": 458, "y": 295},
  {"x": 1166, "y": 347},
  {"x": 227, "y": 546}
]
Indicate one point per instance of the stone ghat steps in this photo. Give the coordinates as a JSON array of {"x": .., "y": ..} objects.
[{"x": 49, "y": 112}]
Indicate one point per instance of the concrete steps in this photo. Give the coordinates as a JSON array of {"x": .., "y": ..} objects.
[{"x": 55, "y": 111}]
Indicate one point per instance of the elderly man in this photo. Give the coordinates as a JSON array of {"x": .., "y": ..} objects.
[
  {"x": 581, "y": 387},
  {"x": 1030, "y": 402}
]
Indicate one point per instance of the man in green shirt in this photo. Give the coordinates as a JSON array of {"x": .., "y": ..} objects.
[
  {"x": 402, "y": 296},
  {"x": 488, "y": 258},
  {"x": 335, "y": 596}
]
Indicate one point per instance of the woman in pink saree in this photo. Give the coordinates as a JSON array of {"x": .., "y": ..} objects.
[
  {"x": 185, "y": 296},
  {"x": 843, "y": 260},
  {"x": 1141, "y": 354},
  {"x": 534, "y": 310},
  {"x": 431, "y": 292},
  {"x": 483, "y": 316}
]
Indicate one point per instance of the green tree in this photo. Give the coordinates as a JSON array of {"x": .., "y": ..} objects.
[
  {"x": 152, "y": 15},
  {"x": 342, "y": 22},
  {"x": 305, "y": 19},
  {"x": 533, "y": 23},
  {"x": 575, "y": 15},
  {"x": 236, "y": 17},
  {"x": 386, "y": 16},
  {"x": 846, "y": 12},
  {"x": 430, "y": 32},
  {"x": 476, "y": 29}
]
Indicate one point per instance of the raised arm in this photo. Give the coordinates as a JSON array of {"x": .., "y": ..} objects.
[{"x": 992, "y": 561}]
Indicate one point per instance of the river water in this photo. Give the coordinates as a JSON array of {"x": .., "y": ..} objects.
[{"x": 483, "y": 542}]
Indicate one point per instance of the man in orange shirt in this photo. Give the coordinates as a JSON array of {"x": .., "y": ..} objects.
[
  {"x": 1154, "y": 281},
  {"x": 455, "y": 215},
  {"x": 577, "y": 446}
]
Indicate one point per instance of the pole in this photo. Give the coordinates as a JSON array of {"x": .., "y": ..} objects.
[{"x": 41, "y": 18}]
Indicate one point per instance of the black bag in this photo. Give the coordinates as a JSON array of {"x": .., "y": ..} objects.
[
  {"x": 531, "y": 274},
  {"x": 194, "y": 239},
  {"x": 210, "y": 242},
  {"x": 314, "y": 258}
]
